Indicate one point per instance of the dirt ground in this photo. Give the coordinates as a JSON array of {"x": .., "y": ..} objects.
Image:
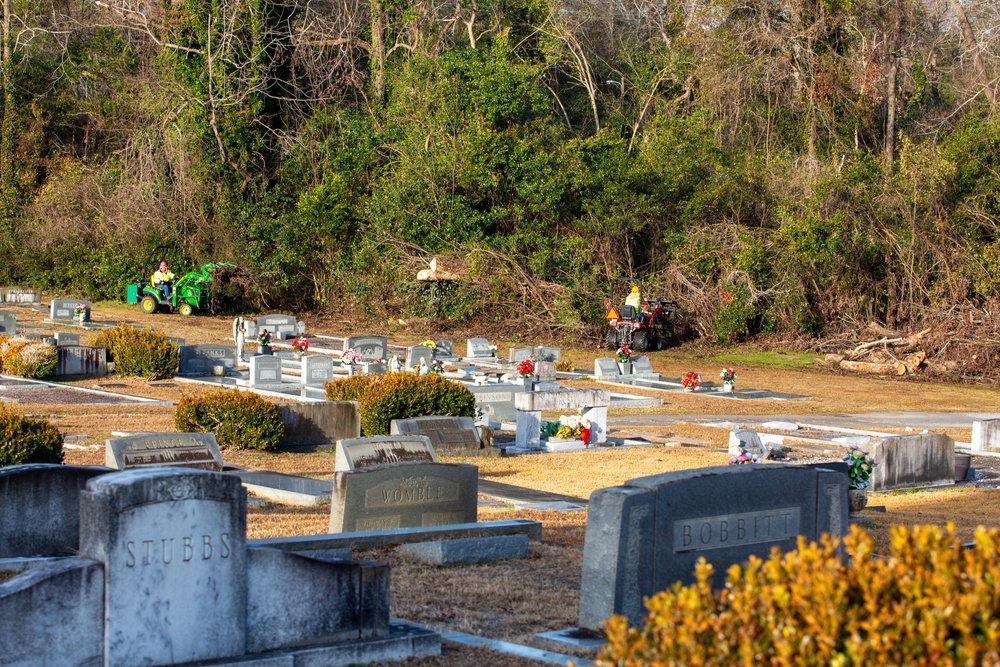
[{"x": 513, "y": 600}]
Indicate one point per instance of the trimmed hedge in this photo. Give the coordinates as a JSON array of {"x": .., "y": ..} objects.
[
  {"x": 24, "y": 440},
  {"x": 139, "y": 352},
  {"x": 929, "y": 601},
  {"x": 241, "y": 420},
  {"x": 27, "y": 358},
  {"x": 382, "y": 398}
]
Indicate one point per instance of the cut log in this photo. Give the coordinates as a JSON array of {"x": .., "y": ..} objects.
[
  {"x": 868, "y": 367},
  {"x": 834, "y": 358}
]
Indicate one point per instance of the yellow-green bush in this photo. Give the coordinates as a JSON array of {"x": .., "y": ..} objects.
[
  {"x": 929, "y": 601},
  {"x": 138, "y": 352},
  {"x": 382, "y": 398},
  {"x": 27, "y": 358},
  {"x": 242, "y": 420},
  {"x": 24, "y": 440}
]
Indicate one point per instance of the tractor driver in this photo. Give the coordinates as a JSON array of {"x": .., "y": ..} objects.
[
  {"x": 163, "y": 278},
  {"x": 633, "y": 298}
]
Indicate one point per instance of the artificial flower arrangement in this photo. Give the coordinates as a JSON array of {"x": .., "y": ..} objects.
[
  {"x": 300, "y": 344},
  {"x": 350, "y": 357},
  {"x": 572, "y": 426},
  {"x": 691, "y": 381},
  {"x": 859, "y": 467},
  {"x": 624, "y": 354},
  {"x": 494, "y": 348},
  {"x": 743, "y": 459},
  {"x": 79, "y": 309},
  {"x": 728, "y": 375},
  {"x": 527, "y": 367},
  {"x": 436, "y": 366},
  {"x": 264, "y": 338},
  {"x": 429, "y": 343}
]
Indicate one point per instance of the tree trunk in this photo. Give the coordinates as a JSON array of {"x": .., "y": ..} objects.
[
  {"x": 8, "y": 192},
  {"x": 378, "y": 49},
  {"x": 890, "y": 96},
  {"x": 977, "y": 56}
]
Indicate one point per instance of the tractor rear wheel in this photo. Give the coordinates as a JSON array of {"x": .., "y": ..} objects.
[
  {"x": 149, "y": 305},
  {"x": 612, "y": 339},
  {"x": 640, "y": 341},
  {"x": 186, "y": 309}
]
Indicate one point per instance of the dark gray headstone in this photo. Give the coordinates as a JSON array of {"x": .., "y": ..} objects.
[
  {"x": 418, "y": 352},
  {"x": 80, "y": 361},
  {"x": 447, "y": 434},
  {"x": 358, "y": 453},
  {"x": 20, "y": 295},
  {"x": 157, "y": 450},
  {"x": 281, "y": 326},
  {"x": 8, "y": 322},
  {"x": 64, "y": 309},
  {"x": 318, "y": 425},
  {"x": 605, "y": 367},
  {"x": 648, "y": 534},
  {"x": 63, "y": 338},
  {"x": 40, "y": 508},
  {"x": 173, "y": 545},
  {"x": 202, "y": 359},
  {"x": 370, "y": 348},
  {"x": 443, "y": 349},
  {"x": 401, "y": 495},
  {"x": 478, "y": 347}
]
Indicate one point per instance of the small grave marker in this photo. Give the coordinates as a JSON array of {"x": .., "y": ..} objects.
[
  {"x": 518, "y": 354},
  {"x": 443, "y": 350},
  {"x": 81, "y": 361},
  {"x": 543, "y": 353},
  {"x": 478, "y": 348},
  {"x": 63, "y": 338},
  {"x": 448, "y": 434}
]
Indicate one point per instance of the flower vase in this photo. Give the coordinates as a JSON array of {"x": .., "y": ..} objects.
[
  {"x": 727, "y": 387},
  {"x": 858, "y": 499},
  {"x": 625, "y": 367},
  {"x": 688, "y": 390},
  {"x": 266, "y": 350},
  {"x": 529, "y": 383},
  {"x": 298, "y": 354}
]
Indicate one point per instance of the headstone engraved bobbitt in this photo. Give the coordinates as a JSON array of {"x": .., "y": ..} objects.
[{"x": 173, "y": 544}]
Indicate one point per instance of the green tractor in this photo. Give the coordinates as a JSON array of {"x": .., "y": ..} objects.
[{"x": 188, "y": 294}]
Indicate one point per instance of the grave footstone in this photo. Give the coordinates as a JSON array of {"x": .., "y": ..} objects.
[
  {"x": 64, "y": 309},
  {"x": 443, "y": 350},
  {"x": 986, "y": 435},
  {"x": 371, "y": 348},
  {"x": 20, "y": 295},
  {"x": 63, "y": 338},
  {"x": 202, "y": 359},
  {"x": 446, "y": 434},
  {"x": 317, "y": 369},
  {"x": 80, "y": 361},
  {"x": 265, "y": 371},
  {"x": 605, "y": 367},
  {"x": 401, "y": 495},
  {"x": 419, "y": 353},
  {"x": 173, "y": 544},
  {"x": 157, "y": 450},
  {"x": 478, "y": 348},
  {"x": 644, "y": 536},
  {"x": 281, "y": 326},
  {"x": 40, "y": 508},
  {"x": 8, "y": 322}
]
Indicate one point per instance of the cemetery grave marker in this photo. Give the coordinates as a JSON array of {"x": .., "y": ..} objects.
[
  {"x": 518, "y": 354},
  {"x": 371, "y": 348},
  {"x": 443, "y": 350},
  {"x": 543, "y": 353},
  {"x": 646, "y": 535},
  {"x": 282, "y": 326},
  {"x": 417, "y": 353},
  {"x": 446, "y": 434},
  {"x": 156, "y": 450},
  {"x": 530, "y": 405},
  {"x": 265, "y": 371},
  {"x": 478, "y": 348},
  {"x": 605, "y": 367},
  {"x": 359, "y": 453},
  {"x": 20, "y": 295},
  {"x": 317, "y": 369},
  {"x": 63, "y": 309},
  {"x": 8, "y": 322},
  {"x": 77, "y": 361},
  {"x": 63, "y": 338},
  {"x": 497, "y": 399},
  {"x": 202, "y": 359}
]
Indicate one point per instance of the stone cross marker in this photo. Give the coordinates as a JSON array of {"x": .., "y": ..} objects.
[
  {"x": 173, "y": 544},
  {"x": 189, "y": 450},
  {"x": 646, "y": 535}
]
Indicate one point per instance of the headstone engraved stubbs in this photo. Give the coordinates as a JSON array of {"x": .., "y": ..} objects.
[
  {"x": 173, "y": 544},
  {"x": 648, "y": 534}
]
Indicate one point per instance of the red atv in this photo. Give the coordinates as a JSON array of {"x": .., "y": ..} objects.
[{"x": 635, "y": 321}]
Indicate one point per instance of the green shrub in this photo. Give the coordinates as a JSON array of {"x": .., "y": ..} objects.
[
  {"x": 139, "y": 352},
  {"x": 242, "y": 420},
  {"x": 27, "y": 358},
  {"x": 383, "y": 398},
  {"x": 24, "y": 440},
  {"x": 929, "y": 601}
]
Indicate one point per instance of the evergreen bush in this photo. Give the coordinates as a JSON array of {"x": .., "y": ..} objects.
[
  {"x": 24, "y": 440},
  {"x": 27, "y": 358},
  {"x": 928, "y": 601},
  {"x": 241, "y": 420},
  {"x": 383, "y": 398},
  {"x": 139, "y": 352}
]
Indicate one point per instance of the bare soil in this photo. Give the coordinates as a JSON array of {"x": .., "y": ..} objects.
[{"x": 512, "y": 601}]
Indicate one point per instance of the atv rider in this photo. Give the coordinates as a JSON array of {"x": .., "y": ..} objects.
[{"x": 163, "y": 278}]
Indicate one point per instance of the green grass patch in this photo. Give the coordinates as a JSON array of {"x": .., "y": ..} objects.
[{"x": 775, "y": 359}]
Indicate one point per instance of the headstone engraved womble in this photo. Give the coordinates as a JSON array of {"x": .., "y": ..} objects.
[
  {"x": 174, "y": 547},
  {"x": 188, "y": 450},
  {"x": 646, "y": 535},
  {"x": 395, "y": 482}
]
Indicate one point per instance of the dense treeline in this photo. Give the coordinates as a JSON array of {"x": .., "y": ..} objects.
[{"x": 792, "y": 165}]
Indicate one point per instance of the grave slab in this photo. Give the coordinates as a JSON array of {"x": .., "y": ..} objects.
[
  {"x": 400, "y": 495},
  {"x": 288, "y": 489},
  {"x": 358, "y": 453},
  {"x": 469, "y": 551},
  {"x": 497, "y": 399},
  {"x": 173, "y": 546},
  {"x": 157, "y": 450},
  {"x": 446, "y": 434}
]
